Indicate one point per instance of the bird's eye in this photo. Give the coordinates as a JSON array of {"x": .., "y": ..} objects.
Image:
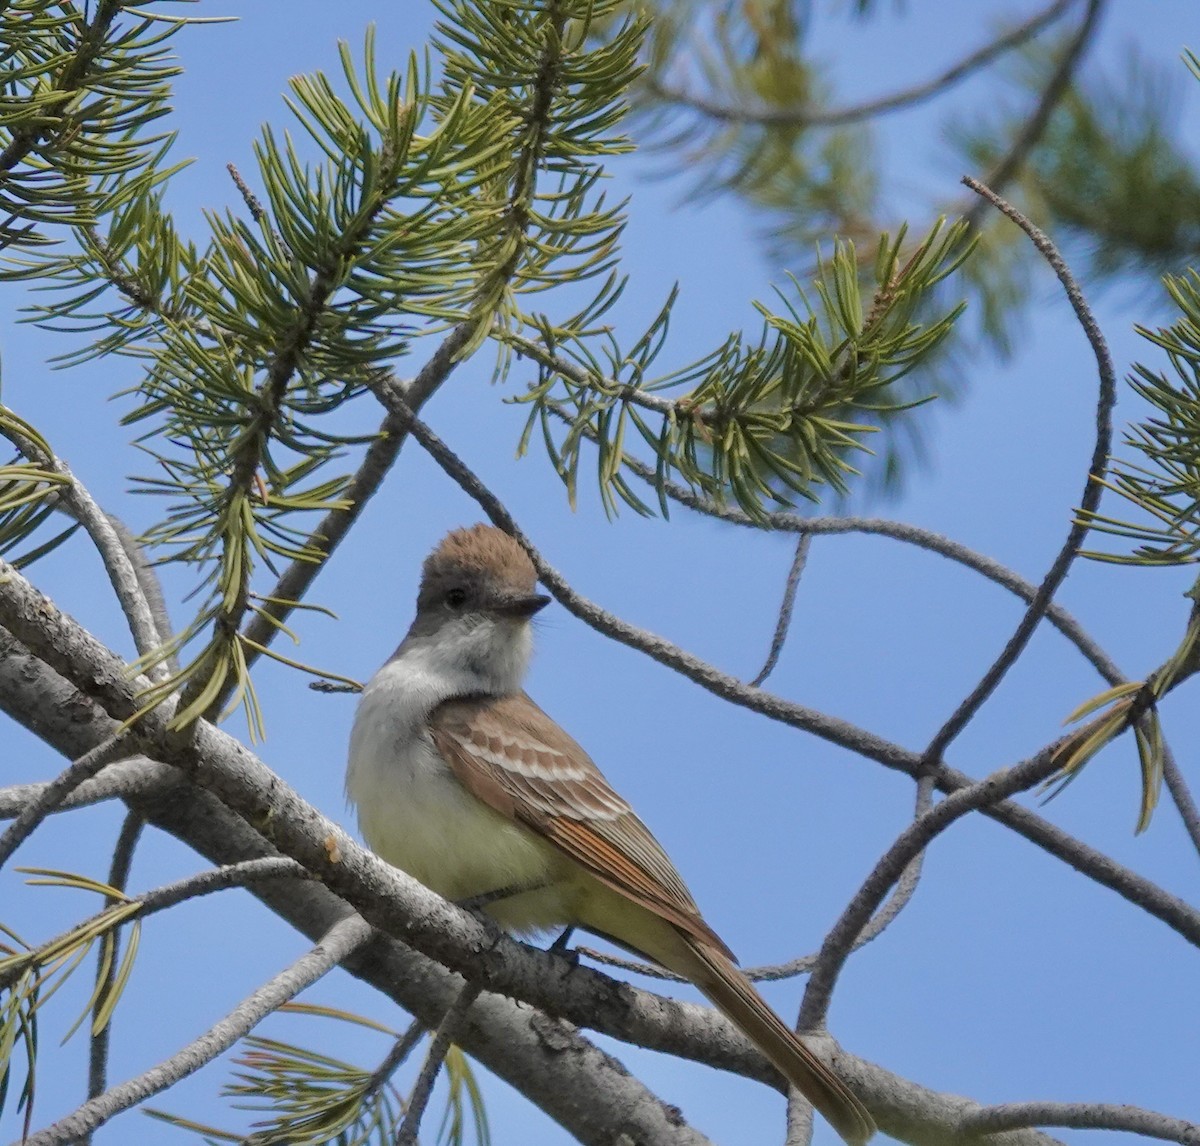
[{"x": 456, "y": 597}]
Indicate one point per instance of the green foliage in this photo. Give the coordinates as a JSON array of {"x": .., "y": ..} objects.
[
  {"x": 29, "y": 492},
  {"x": 733, "y": 88},
  {"x": 426, "y": 206},
  {"x": 1163, "y": 488},
  {"x": 1118, "y": 714},
  {"x": 315, "y": 1098},
  {"x": 18, "y": 1027},
  {"x": 756, "y": 421},
  {"x": 410, "y": 203},
  {"x": 79, "y": 95},
  {"x": 1112, "y": 172},
  {"x": 1164, "y": 484},
  {"x": 464, "y": 1101},
  {"x": 31, "y": 976}
]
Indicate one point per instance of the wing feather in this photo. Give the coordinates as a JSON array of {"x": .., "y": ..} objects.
[{"x": 508, "y": 753}]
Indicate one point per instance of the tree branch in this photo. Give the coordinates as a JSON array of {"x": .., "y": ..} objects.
[
  {"x": 343, "y": 938},
  {"x": 898, "y": 531},
  {"x": 172, "y": 894},
  {"x": 106, "y": 969},
  {"x": 51, "y": 795},
  {"x": 906, "y": 887},
  {"x": 118, "y": 781},
  {"x": 1035, "y": 126},
  {"x": 800, "y": 117},
  {"x": 784, "y": 623},
  {"x": 117, "y": 549},
  {"x": 380, "y": 457},
  {"x": 1081, "y": 1116},
  {"x": 422, "y": 1090},
  {"x": 1092, "y": 487},
  {"x": 892, "y": 864},
  {"x": 1182, "y": 797}
]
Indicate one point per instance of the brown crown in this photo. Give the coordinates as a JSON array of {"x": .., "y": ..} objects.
[{"x": 480, "y": 553}]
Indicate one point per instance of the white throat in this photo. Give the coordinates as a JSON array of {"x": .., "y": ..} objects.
[
  {"x": 465, "y": 656},
  {"x": 473, "y": 654},
  {"x": 410, "y": 808}
]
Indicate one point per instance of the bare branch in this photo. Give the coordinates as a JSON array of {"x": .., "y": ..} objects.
[
  {"x": 1081, "y": 1116},
  {"x": 799, "y": 1120},
  {"x": 784, "y": 623},
  {"x": 343, "y": 938},
  {"x": 119, "y": 563},
  {"x": 423, "y": 1088},
  {"x": 121, "y": 780},
  {"x": 191, "y": 887},
  {"x": 1092, "y": 488},
  {"x": 118, "y": 551},
  {"x": 1182, "y": 796},
  {"x": 798, "y": 117},
  {"x": 106, "y": 969},
  {"x": 906, "y": 886},
  {"x": 380, "y": 457},
  {"x": 51, "y": 795},
  {"x": 908, "y": 845},
  {"x": 897, "y": 530},
  {"x": 1035, "y": 126},
  {"x": 587, "y": 1090},
  {"x": 400, "y": 1051}
]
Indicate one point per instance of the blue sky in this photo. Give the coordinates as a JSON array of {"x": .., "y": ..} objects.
[{"x": 1009, "y": 977}]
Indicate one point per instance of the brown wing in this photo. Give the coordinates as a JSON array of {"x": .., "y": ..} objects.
[{"x": 508, "y": 753}]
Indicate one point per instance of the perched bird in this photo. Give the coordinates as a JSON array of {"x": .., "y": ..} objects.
[{"x": 462, "y": 781}]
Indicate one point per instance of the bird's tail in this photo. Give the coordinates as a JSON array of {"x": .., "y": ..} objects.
[{"x": 732, "y": 993}]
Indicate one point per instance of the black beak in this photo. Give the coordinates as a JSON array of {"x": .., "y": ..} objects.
[{"x": 522, "y": 605}]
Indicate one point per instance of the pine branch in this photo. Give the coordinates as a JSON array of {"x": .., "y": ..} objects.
[
  {"x": 816, "y": 117},
  {"x": 342, "y": 939}
]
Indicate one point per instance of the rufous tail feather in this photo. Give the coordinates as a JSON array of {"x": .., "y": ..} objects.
[{"x": 732, "y": 993}]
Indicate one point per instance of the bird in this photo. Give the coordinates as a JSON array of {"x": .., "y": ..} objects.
[{"x": 462, "y": 781}]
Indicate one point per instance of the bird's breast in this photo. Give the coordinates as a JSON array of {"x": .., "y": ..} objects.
[{"x": 414, "y": 813}]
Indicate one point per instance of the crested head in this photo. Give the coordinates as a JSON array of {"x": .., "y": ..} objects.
[
  {"x": 471, "y": 632},
  {"x": 479, "y": 564}
]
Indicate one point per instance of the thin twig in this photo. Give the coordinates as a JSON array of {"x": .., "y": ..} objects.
[
  {"x": 1035, "y": 126},
  {"x": 799, "y": 1120},
  {"x": 340, "y": 941},
  {"x": 438, "y": 1048},
  {"x": 1092, "y": 488},
  {"x": 839, "y": 942},
  {"x": 107, "y": 962},
  {"x": 1080, "y": 1116},
  {"x": 381, "y": 455},
  {"x": 116, "y": 782},
  {"x": 51, "y": 795},
  {"x": 896, "y": 101},
  {"x": 192, "y": 887},
  {"x": 1182, "y": 796},
  {"x": 897, "y": 530},
  {"x": 112, "y": 542},
  {"x": 882, "y": 919},
  {"x": 151, "y": 586},
  {"x": 784, "y": 623},
  {"x": 400, "y": 1051},
  {"x": 773, "y": 972},
  {"x": 253, "y": 205}
]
